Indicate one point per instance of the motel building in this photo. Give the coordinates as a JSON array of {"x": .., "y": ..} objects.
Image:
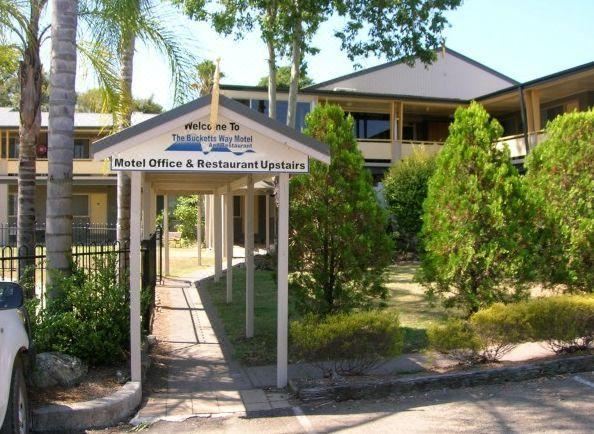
[{"x": 396, "y": 108}]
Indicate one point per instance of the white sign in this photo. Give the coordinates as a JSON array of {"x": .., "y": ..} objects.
[{"x": 197, "y": 147}]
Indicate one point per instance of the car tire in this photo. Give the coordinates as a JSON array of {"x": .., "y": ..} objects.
[{"x": 18, "y": 415}]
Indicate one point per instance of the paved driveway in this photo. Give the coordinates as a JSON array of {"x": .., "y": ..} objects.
[{"x": 564, "y": 403}]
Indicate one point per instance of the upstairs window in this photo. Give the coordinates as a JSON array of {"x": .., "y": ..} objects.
[
  {"x": 80, "y": 209},
  {"x": 282, "y": 107},
  {"x": 81, "y": 149},
  {"x": 372, "y": 126},
  {"x": 13, "y": 146}
]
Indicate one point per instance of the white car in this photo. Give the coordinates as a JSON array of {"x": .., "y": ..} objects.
[{"x": 15, "y": 358}]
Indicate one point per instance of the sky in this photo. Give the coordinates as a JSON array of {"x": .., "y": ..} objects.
[{"x": 524, "y": 39}]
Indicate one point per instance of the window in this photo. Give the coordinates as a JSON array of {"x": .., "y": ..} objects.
[
  {"x": 81, "y": 148},
  {"x": 372, "y": 126},
  {"x": 245, "y": 102},
  {"x": 80, "y": 208},
  {"x": 12, "y": 208},
  {"x": 13, "y": 146},
  {"x": 282, "y": 107},
  {"x": 551, "y": 113}
]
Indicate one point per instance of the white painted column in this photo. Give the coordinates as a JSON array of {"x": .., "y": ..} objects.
[
  {"x": 4, "y": 236},
  {"x": 267, "y": 226},
  {"x": 229, "y": 242},
  {"x": 199, "y": 229},
  {"x": 135, "y": 269},
  {"x": 282, "y": 334},
  {"x": 249, "y": 258},
  {"x": 224, "y": 214},
  {"x": 166, "y": 234},
  {"x": 218, "y": 246},
  {"x": 211, "y": 221},
  {"x": 206, "y": 201}
]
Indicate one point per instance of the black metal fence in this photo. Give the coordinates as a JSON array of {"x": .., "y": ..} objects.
[
  {"x": 30, "y": 268},
  {"x": 82, "y": 234}
]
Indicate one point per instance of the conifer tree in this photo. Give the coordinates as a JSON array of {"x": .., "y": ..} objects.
[
  {"x": 474, "y": 216},
  {"x": 339, "y": 247}
]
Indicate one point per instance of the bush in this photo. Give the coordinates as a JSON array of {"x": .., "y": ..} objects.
[
  {"x": 89, "y": 318},
  {"x": 339, "y": 246},
  {"x": 474, "y": 216},
  {"x": 560, "y": 179},
  {"x": 186, "y": 214},
  {"x": 352, "y": 343},
  {"x": 565, "y": 322},
  {"x": 405, "y": 189}
]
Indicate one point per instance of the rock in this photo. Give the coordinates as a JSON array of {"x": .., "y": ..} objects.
[
  {"x": 122, "y": 377},
  {"x": 57, "y": 369}
]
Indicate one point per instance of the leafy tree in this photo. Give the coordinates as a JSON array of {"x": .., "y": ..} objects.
[
  {"x": 283, "y": 78},
  {"x": 119, "y": 25},
  {"x": 474, "y": 216},
  {"x": 205, "y": 71},
  {"x": 339, "y": 247},
  {"x": 93, "y": 101},
  {"x": 186, "y": 214},
  {"x": 405, "y": 189},
  {"x": 560, "y": 180}
]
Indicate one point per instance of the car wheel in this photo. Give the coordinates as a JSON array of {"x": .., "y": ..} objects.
[{"x": 17, "y": 419}]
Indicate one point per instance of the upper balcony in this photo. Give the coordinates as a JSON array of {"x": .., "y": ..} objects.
[{"x": 517, "y": 143}]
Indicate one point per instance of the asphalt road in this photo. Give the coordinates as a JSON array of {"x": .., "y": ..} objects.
[{"x": 564, "y": 403}]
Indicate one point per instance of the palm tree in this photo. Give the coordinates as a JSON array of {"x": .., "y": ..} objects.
[
  {"x": 61, "y": 135},
  {"x": 22, "y": 20},
  {"x": 119, "y": 24}
]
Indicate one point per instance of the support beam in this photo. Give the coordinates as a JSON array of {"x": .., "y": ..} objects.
[
  {"x": 282, "y": 334},
  {"x": 229, "y": 241},
  {"x": 199, "y": 230},
  {"x": 206, "y": 200},
  {"x": 249, "y": 259},
  {"x": 218, "y": 245},
  {"x": 166, "y": 234},
  {"x": 267, "y": 216},
  {"x": 224, "y": 214},
  {"x": 135, "y": 284}
]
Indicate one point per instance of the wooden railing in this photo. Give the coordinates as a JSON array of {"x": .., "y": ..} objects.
[{"x": 517, "y": 143}]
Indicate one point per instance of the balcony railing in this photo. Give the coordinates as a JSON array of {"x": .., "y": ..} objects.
[{"x": 517, "y": 144}]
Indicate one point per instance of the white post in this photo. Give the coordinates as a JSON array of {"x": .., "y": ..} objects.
[
  {"x": 166, "y": 233},
  {"x": 224, "y": 214},
  {"x": 249, "y": 258},
  {"x": 267, "y": 226},
  {"x": 212, "y": 224},
  {"x": 199, "y": 229},
  {"x": 206, "y": 201},
  {"x": 4, "y": 236},
  {"x": 135, "y": 264},
  {"x": 218, "y": 248},
  {"x": 283, "y": 283},
  {"x": 229, "y": 232}
]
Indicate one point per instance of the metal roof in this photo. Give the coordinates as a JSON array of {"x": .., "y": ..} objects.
[{"x": 10, "y": 119}]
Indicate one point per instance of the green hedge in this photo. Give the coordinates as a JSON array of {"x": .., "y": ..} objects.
[
  {"x": 565, "y": 322},
  {"x": 349, "y": 343}
]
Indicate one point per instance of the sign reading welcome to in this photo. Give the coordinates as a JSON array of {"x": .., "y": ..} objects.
[{"x": 197, "y": 146}]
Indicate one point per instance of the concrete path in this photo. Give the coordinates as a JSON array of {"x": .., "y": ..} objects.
[{"x": 198, "y": 377}]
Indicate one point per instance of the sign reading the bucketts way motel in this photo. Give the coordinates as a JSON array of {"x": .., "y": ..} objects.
[{"x": 198, "y": 147}]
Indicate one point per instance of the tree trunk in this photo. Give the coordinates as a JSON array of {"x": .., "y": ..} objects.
[
  {"x": 295, "y": 67},
  {"x": 271, "y": 79},
  {"x": 124, "y": 121},
  {"x": 30, "y": 76},
  {"x": 61, "y": 138}
]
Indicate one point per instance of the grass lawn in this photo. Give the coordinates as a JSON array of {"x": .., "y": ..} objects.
[
  {"x": 183, "y": 262},
  {"x": 406, "y": 297}
]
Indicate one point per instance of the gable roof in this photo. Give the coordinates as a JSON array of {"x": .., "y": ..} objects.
[
  {"x": 452, "y": 75},
  {"x": 11, "y": 119},
  {"x": 317, "y": 149}
]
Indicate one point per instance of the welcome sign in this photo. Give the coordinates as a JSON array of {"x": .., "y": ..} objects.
[{"x": 200, "y": 147}]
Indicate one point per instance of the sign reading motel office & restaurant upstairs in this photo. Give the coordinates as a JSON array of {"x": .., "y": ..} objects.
[{"x": 199, "y": 146}]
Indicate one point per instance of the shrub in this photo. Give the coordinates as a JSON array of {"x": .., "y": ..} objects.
[
  {"x": 339, "y": 246},
  {"x": 405, "y": 189},
  {"x": 474, "y": 214},
  {"x": 89, "y": 318},
  {"x": 186, "y": 214},
  {"x": 456, "y": 338},
  {"x": 560, "y": 179},
  {"x": 565, "y": 322},
  {"x": 352, "y": 343}
]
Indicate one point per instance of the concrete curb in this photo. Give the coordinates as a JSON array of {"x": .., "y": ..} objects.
[
  {"x": 359, "y": 388},
  {"x": 98, "y": 413}
]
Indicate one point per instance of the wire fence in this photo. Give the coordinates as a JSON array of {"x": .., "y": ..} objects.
[{"x": 82, "y": 234}]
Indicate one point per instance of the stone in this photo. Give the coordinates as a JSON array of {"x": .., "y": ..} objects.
[
  {"x": 122, "y": 376},
  {"x": 57, "y": 369}
]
